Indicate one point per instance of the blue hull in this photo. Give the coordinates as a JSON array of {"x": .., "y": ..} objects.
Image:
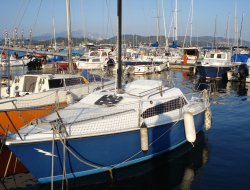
[
  {"x": 213, "y": 72},
  {"x": 109, "y": 151}
]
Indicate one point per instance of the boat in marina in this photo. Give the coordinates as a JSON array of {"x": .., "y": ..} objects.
[
  {"x": 97, "y": 59},
  {"x": 110, "y": 128},
  {"x": 192, "y": 54},
  {"x": 138, "y": 64},
  {"x": 215, "y": 64},
  {"x": 241, "y": 70},
  {"x": 15, "y": 61},
  {"x": 146, "y": 116},
  {"x": 32, "y": 96}
]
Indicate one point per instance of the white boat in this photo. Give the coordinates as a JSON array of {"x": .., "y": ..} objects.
[
  {"x": 33, "y": 96},
  {"x": 98, "y": 59},
  {"x": 173, "y": 57},
  {"x": 138, "y": 64},
  {"x": 15, "y": 61}
]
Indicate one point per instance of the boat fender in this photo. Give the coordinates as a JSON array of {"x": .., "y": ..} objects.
[
  {"x": 69, "y": 98},
  {"x": 189, "y": 127},
  {"x": 144, "y": 137},
  {"x": 230, "y": 75},
  {"x": 208, "y": 119},
  {"x": 168, "y": 66}
]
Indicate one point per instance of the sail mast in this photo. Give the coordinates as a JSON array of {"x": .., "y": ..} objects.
[
  {"x": 191, "y": 22},
  {"x": 158, "y": 23},
  {"x": 215, "y": 30},
  {"x": 175, "y": 23},
  {"x": 54, "y": 33},
  {"x": 69, "y": 35},
  {"x": 226, "y": 36},
  {"x": 240, "y": 39},
  {"x": 235, "y": 25},
  {"x": 119, "y": 44},
  {"x": 165, "y": 29}
]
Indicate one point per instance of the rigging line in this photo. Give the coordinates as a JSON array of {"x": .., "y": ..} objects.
[
  {"x": 18, "y": 13},
  {"x": 37, "y": 13},
  {"x": 109, "y": 19},
  {"x": 23, "y": 14},
  {"x": 188, "y": 22},
  {"x": 84, "y": 28}
]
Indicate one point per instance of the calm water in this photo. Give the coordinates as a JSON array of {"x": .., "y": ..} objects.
[{"x": 219, "y": 160}]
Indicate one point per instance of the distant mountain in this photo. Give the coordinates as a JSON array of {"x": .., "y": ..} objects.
[
  {"x": 132, "y": 40},
  {"x": 74, "y": 34}
]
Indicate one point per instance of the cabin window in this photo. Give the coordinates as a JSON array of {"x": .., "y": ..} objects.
[
  {"x": 29, "y": 83},
  {"x": 95, "y": 53},
  {"x": 72, "y": 81},
  {"x": 84, "y": 59},
  {"x": 164, "y": 107},
  {"x": 212, "y": 55},
  {"x": 56, "y": 83},
  {"x": 219, "y": 56},
  {"x": 95, "y": 60},
  {"x": 104, "y": 54}
]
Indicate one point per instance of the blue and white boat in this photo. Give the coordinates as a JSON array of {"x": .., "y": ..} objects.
[
  {"x": 241, "y": 71},
  {"x": 108, "y": 130},
  {"x": 215, "y": 65}
]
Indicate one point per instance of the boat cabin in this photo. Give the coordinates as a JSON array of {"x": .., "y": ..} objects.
[{"x": 27, "y": 84}]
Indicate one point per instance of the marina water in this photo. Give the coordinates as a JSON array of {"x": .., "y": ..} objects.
[{"x": 219, "y": 159}]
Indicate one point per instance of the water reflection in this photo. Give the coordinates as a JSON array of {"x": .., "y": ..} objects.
[{"x": 219, "y": 88}]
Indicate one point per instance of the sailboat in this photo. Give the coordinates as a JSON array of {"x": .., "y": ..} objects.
[{"x": 111, "y": 128}]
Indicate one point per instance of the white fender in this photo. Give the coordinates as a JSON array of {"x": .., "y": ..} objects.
[
  {"x": 69, "y": 98},
  {"x": 144, "y": 137},
  {"x": 189, "y": 127}
]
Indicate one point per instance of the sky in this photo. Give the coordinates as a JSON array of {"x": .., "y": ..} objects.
[{"x": 139, "y": 17}]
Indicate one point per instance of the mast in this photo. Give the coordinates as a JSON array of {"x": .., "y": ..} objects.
[
  {"x": 175, "y": 22},
  {"x": 215, "y": 28},
  {"x": 69, "y": 35},
  {"x": 240, "y": 40},
  {"x": 165, "y": 29},
  {"x": 30, "y": 40},
  {"x": 6, "y": 39},
  {"x": 54, "y": 33},
  {"x": 226, "y": 36},
  {"x": 119, "y": 44},
  {"x": 22, "y": 39},
  {"x": 235, "y": 25},
  {"x": 191, "y": 22},
  {"x": 158, "y": 23}
]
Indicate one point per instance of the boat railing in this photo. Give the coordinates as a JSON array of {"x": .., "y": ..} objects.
[
  {"x": 199, "y": 96},
  {"x": 103, "y": 116}
]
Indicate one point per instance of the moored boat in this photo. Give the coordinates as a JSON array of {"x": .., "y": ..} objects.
[
  {"x": 215, "y": 65},
  {"x": 34, "y": 96},
  {"x": 146, "y": 119}
]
